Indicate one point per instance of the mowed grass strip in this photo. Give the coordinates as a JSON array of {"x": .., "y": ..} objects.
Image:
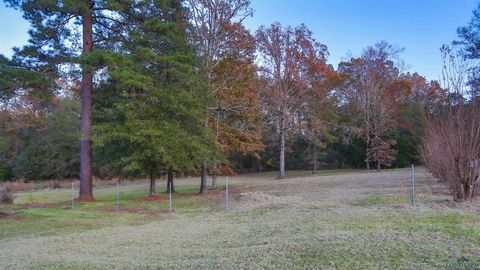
[
  {"x": 335, "y": 221},
  {"x": 46, "y": 217}
]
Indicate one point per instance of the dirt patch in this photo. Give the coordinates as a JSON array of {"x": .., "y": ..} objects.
[
  {"x": 208, "y": 193},
  {"x": 164, "y": 196},
  {"x": 12, "y": 216},
  {"x": 135, "y": 210},
  {"x": 211, "y": 194},
  {"x": 87, "y": 200}
]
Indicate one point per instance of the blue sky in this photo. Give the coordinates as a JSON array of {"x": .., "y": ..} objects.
[{"x": 345, "y": 26}]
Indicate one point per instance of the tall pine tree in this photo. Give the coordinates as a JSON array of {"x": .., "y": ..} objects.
[
  {"x": 156, "y": 118},
  {"x": 108, "y": 30}
]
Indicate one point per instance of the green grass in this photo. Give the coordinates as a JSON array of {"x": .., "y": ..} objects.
[
  {"x": 43, "y": 222},
  {"x": 383, "y": 200},
  {"x": 60, "y": 219},
  {"x": 463, "y": 263},
  {"x": 334, "y": 220}
]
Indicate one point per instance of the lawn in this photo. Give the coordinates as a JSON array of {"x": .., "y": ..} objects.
[{"x": 333, "y": 220}]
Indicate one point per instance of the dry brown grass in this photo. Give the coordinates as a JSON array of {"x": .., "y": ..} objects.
[{"x": 357, "y": 220}]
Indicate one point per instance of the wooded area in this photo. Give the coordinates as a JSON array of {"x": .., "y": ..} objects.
[{"x": 175, "y": 87}]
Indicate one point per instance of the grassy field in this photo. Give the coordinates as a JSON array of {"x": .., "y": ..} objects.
[{"x": 334, "y": 220}]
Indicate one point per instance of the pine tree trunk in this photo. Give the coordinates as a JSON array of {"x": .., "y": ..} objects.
[
  {"x": 214, "y": 181},
  {"x": 314, "y": 171},
  {"x": 86, "y": 185},
  {"x": 152, "y": 184},
  {"x": 170, "y": 180},
  {"x": 203, "y": 181},
  {"x": 282, "y": 154}
]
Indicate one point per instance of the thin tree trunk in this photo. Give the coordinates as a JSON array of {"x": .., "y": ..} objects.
[
  {"x": 217, "y": 133},
  {"x": 214, "y": 181},
  {"x": 170, "y": 180},
  {"x": 367, "y": 132},
  {"x": 203, "y": 181},
  {"x": 467, "y": 189},
  {"x": 86, "y": 185},
  {"x": 314, "y": 150},
  {"x": 378, "y": 166},
  {"x": 459, "y": 185},
  {"x": 460, "y": 197},
  {"x": 282, "y": 154},
  {"x": 152, "y": 184},
  {"x": 367, "y": 160}
]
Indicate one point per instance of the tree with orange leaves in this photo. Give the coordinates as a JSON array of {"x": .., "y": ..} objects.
[
  {"x": 372, "y": 88},
  {"x": 318, "y": 117},
  {"x": 238, "y": 113},
  {"x": 428, "y": 94},
  {"x": 227, "y": 51},
  {"x": 286, "y": 55}
]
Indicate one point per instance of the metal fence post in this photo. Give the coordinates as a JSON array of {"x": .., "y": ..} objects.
[
  {"x": 170, "y": 197},
  {"x": 117, "y": 187},
  {"x": 73, "y": 195},
  {"x": 413, "y": 185},
  {"x": 226, "y": 193}
]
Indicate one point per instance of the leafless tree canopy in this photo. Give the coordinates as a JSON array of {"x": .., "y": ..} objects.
[
  {"x": 287, "y": 54},
  {"x": 372, "y": 87},
  {"x": 452, "y": 144}
]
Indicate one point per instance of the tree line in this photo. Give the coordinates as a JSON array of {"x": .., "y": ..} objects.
[{"x": 175, "y": 87}]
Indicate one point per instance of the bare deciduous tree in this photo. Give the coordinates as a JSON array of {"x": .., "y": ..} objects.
[
  {"x": 451, "y": 149},
  {"x": 318, "y": 117},
  {"x": 371, "y": 89},
  {"x": 284, "y": 55},
  {"x": 223, "y": 43}
]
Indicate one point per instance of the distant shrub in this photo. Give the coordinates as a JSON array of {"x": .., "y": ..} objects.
[
  {"x": 5, "y": 171},
  {"x": 452, "y": 147},
  {"x": 5, "y": 196}
]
